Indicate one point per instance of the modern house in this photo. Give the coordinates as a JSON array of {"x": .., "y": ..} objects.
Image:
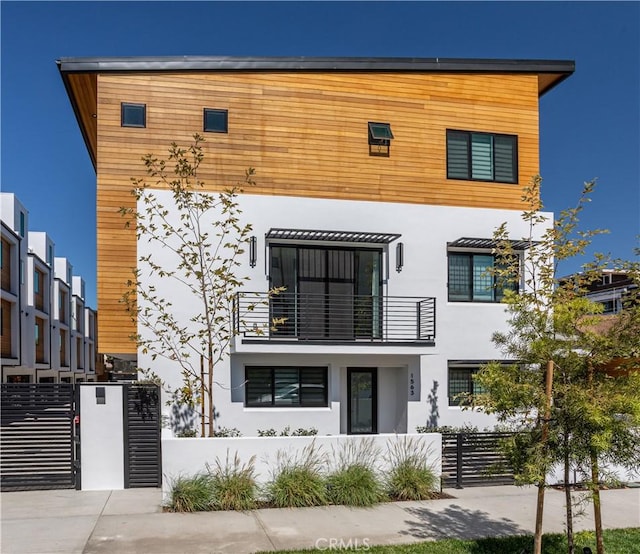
[
  {"x": 611, "y": 290},
  {"x": 37, "y": 305},
  {"x": 380, "y": 183}
]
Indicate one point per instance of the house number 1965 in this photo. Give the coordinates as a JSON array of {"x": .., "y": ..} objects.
[{"x": 412, "y": 385}]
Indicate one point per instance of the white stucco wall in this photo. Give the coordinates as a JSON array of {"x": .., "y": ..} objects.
[
  {"x": 463, "y": 330},
  {"x": 187, "y": 457},
  {"x": 102, "y": 438}
]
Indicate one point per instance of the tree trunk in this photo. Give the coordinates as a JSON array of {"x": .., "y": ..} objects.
[
  {"x": 597, "y": 512},
  {"x": 567, "y": 496},
  {"x": 212, "y": 425},
  {"x": 595, "y": 488},
  {"x": 537, "y": 539},
  {"x": 202, "y": 396}
]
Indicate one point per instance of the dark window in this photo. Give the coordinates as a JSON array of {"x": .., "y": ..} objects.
[
  {"x": 216, "y": 121},
  {"x": 22, "y": 224},
  {"x": 380, "y": 136},
  {"x": 482, "y": 156},
  {"x": 286, "y": 386},
  {"x": 329, "y": 292},
  {"x": 470, "y": 278},
  {"x": 462, "y": 385},
  {"x": 133, "y": 115}
]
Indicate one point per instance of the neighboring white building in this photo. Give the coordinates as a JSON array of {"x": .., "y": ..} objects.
[
  {"x": 37, "y": 307},
  {"x": 379, "y": 185}
]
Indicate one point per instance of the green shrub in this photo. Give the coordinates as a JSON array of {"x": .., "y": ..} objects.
[
  {"x": 286, "y": 432},
  {"x": 191, "y": 494},
  {"x": 298, "y": 481},
  {"x": 301, "y": 432},
  {"x": 356, "y": 485},
  {"x": 267, "y": 433},
  {"x": 411, "y": 476},
  {"x": 224, "y": 432},
  {"x": 234, "y": 484},
  {"x": 187, "y": 433},
  {"x": 297, "y": 487},
  {"x": 411, "y": 481}
]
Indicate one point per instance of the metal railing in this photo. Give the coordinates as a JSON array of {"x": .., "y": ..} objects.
[{"x": 334, "y": 317}]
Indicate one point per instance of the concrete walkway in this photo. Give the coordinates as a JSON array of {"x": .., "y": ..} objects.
[{"x": 132, "y": 521}]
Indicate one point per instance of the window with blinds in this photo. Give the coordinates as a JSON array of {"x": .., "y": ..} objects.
[
  {"x": 286, "y": 386},
  {"x": 482, "y": 156},
  {"x": 471, "y": 278}
]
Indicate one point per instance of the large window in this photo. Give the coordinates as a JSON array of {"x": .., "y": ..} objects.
[
  {"x": 462, "y": 386},
  {"x": 328, "y": 292},
  {"x": 290, "y": 386},
  {"x": 470, "y": 278},
  {"x": 482, "y": 156}
]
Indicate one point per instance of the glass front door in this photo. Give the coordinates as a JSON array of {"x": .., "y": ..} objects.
[
  {"x": 362, "y": 401},
  {"x": 329, "y": 293}
]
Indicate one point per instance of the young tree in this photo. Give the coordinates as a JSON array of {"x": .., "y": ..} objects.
[
  {"x": 203, "y": 236},
  {"x": 566, "y": 409}
]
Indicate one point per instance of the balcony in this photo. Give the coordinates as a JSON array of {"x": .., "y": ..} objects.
[{"x": 334, "y": 318}]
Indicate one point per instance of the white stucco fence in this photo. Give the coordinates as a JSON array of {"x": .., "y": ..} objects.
[{"x": 189, "y": 456}]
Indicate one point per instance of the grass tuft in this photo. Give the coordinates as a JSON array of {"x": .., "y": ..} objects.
[
  {"x": 298, "y": 481},
  {"x": 411, "y": 476},
  {"x": 191, "y": 494},
  {"x": 355, "y": 485},
  {"x": 234, "y": 484}
]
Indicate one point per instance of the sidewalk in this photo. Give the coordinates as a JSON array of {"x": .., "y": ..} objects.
[{"x": 132, "y": 521}]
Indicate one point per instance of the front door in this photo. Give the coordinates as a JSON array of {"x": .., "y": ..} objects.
[{"x": 362, "y": 401}]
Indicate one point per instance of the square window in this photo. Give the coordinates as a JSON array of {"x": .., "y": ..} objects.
[
  {"x": 380, "y": 136},
  {"x": 482, "y": 156},
  {"x": 216, "y": 121},
  {"x": 461, "y": 385},
  {"x": 133, "y": 115},
  {"x": 471, "y": 278}
]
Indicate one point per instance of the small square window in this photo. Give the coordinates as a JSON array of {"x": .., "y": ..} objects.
[
  {"x": 216, "y": 121},
  {"x": 133, "y": 115},
  {"x": 380, "y": 136}
]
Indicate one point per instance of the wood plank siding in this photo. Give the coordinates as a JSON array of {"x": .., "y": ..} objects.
[
  {"x": 7, "y": 330},
  {"x": 305, "y": 133}
]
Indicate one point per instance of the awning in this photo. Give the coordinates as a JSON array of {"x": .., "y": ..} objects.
[
  {"x": 331, "y": 236},
  {"x": 466, "y": 242}
]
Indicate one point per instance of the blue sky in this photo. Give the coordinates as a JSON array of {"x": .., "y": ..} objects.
[{"x": 590, "y": 124}]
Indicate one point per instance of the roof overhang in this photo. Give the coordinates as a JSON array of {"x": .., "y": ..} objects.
[
  {"x": 301, "y": 235},
  {"x": 487, "y": 244},
  {"x": 79, "y": 75}
]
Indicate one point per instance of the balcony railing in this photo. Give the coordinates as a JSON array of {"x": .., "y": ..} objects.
[{"x": 334, "y": 318}]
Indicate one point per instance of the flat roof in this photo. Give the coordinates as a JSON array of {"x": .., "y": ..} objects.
[{"x": 304, "y": 63}]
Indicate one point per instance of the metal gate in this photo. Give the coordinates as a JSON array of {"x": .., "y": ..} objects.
[
  {"x": 143, "y": 461},
  {"x": 474, "y": 459},
  {"x": 37, "y": 443}
]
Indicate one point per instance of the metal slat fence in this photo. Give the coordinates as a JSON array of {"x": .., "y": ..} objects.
[
  {"x": 474, "y": 459},
  {"x": 37, "y": 436},
  {"x": 142, "y": 428}
]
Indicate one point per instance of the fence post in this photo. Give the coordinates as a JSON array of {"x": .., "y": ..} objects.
[{"x": 459, "y": 441}]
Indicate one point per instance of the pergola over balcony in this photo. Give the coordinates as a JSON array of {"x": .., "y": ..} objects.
[{"x": 335, "y": 319}]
